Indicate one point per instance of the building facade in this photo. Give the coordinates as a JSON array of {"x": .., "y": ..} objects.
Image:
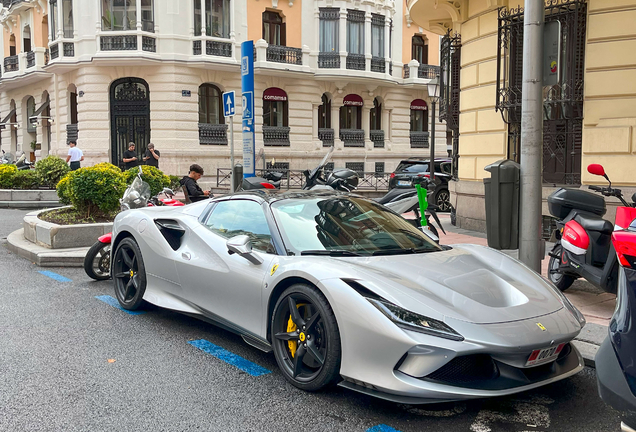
[
  {"x": 589, "y": 107},
  {"x": 106, "y": 72}
]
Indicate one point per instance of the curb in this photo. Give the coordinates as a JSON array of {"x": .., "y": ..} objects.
[
  {"x": 45, "y": 257},
  {"x": 588, "y": 352},
  {"x": 29, "y": 204}
]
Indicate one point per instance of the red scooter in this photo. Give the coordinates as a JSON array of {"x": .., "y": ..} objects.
[
  {"x": 583, "y": 243},
  {"x": 97, "y": 260}
]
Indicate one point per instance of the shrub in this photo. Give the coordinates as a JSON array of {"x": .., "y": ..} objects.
[
  {"x": 93, "y": 189},
  {"x": 106, "y": 165},
  {"x": 7, "y": 171},
  {"x": 175, "y": 183},
  {"x": 156, "y": 179},
  {"x": 50, "y": 170},
  {"x": 25, "y": 179}
]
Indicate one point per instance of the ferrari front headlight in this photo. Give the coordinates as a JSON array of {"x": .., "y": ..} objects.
[{"x": 408, "y": 320}]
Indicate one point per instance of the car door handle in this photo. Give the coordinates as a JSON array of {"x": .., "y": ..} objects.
[{"x": 186, "y": 256}]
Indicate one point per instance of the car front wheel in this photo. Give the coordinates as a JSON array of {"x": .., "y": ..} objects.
[{"x": 305, "y": 338}]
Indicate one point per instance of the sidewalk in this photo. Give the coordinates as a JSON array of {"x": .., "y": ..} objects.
[{"x": 597, "y": 306}]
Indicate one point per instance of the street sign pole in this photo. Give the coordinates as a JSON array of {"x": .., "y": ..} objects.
[
  {"x": 247, "y": 89},
  {"x": 232, "y": 185},
  {"x": 229, "y": 108}
]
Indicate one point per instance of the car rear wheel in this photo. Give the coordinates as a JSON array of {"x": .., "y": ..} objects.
[
  {"x": 442, "y": 200},
  {"x": 129, "y": 274},
  {"x": 305, "y": 338}
]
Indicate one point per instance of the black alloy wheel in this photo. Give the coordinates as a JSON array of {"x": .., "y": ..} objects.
[
  {"x": 555, "y": 275},
  {"x": 305, "y": 338},
  {"x": 97, "y": 261},
  {"x": 442, "y": 200},
  {"x": 129, "y": 274}
]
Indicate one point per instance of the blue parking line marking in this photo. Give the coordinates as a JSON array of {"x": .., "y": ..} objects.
[
  {"x": 114, "y": 303},
  {"x": 382, "y": 428},
  {"x": 55, "y": 276},
  {"x": 229, "y": 357}
]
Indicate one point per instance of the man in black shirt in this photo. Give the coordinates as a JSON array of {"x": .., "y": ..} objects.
[
  {"x": 190, "y": 182},
  {"x": 151, "y": 157},
  {"x": 130, "y": 157}
]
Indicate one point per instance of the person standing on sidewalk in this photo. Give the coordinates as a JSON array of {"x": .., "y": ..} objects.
[
  {"x": 75, "y": 156},
  {"x": 151, "y": 157},
  {"x": 130, "y": 157}
]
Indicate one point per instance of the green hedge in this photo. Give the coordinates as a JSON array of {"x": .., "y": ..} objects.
[
  {"x": 25, "y": 179},
  {"x": 93, "y": 189},
  {"x": 7, "y": 171},
  {"x": 50, "y": 171}
]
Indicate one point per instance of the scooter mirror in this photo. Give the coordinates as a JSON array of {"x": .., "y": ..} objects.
[{"x": 596, "y": 169}]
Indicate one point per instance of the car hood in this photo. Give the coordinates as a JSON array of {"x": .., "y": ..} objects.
[{"x": 468, "y": 283}]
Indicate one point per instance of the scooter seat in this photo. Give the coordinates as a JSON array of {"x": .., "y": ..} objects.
[
  {"x": 395, "y": 193},
  {"x": 594, "y": 224}
]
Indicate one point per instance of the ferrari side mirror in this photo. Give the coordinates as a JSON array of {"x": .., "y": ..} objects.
[{"x": 242, "y": 245}]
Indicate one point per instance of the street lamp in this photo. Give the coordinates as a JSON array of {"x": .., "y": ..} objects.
[{"x": 433, "y": 95}]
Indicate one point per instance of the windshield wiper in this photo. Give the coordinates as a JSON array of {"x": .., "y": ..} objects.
[
  {"x": 401, "y": 251},
  {"x": 333, "y": 253}
]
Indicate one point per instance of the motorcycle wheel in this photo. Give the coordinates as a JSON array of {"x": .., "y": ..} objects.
[
  {"x": 562, "y": 281},
  {"x": 97, "y": 261}
]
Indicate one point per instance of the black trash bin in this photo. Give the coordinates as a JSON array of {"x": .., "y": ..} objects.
[
  {"x": 237, "y": 174},
  {"x": 502, "y": 204}
]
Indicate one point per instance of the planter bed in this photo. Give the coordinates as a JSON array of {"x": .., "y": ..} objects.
[
  {"x": 37, "y": 198},
  {"x": 56, "y": 236}
]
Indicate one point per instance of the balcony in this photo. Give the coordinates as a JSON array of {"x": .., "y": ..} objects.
[
  {"x": 418, "y": 139},
  {"x": 220, "y": 48},
  {"x": 356, "y": 62},
  {"x": 284, "y": 54},
  {"x": 329, "y": 60},
  {"x": 276, "y": 136},
  {"x": 377, "y": 136},
  {"x": 212, "y": 134},
  {"x": 11, "y": 64},
  {"x": 378, "y": 64},
  {"x": 118, "y": 43},
  {"x": 30, "y": 56},
  {"x": 24, "y": 68},
  {"x": 352, "y": 137},
  {"x": 424, "y": 71},
  {"x": 326, "y": 135}
]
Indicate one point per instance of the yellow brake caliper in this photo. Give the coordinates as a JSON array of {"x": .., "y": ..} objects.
[{"x": 293, "y": 345}]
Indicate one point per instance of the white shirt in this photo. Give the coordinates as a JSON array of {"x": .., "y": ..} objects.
[{"x": 75, "y": 154}]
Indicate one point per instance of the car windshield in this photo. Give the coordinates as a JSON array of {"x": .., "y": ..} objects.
[
  {"x": 346, "y": 226},
  {"x": 412, "y": 167}
]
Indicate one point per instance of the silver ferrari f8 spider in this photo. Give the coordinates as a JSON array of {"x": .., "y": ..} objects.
[{"x": 344, "y": 291}]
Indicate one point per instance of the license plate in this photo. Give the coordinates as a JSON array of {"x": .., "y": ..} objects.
[
  {"x": 404, "y": 183},
  {"x": 545, "y": 355}
]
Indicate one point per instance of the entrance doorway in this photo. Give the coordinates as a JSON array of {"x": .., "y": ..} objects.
[{"x": 129, "y": 117}]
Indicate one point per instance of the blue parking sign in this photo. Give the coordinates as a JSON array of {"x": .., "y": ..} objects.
[{"x": 228, "y": 104}]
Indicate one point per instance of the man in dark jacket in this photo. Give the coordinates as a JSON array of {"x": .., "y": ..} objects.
[{"x": 190, "y": 182}]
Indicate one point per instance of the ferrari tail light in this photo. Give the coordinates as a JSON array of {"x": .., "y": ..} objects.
[
  {"x": 268, "y": 185},
  {"x": 625, "y": 245}
]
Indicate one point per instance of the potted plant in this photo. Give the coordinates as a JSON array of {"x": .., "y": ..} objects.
[{"x": 34, "y": 147}]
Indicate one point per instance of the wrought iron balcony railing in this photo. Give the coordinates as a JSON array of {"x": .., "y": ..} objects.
[
  {"x": 118, "y": 43},
  {"x": 196, "y": 47},
  {"x": 11, "y": 64},
  {"x": 68, "y": 48},
  {"x": 418, "y": 139},
  {"x": 148, "y": 44},
  {"x": 55, "y": 51},
  {"x": 218, "y": 48},
  {"x": 30, "y": 59},
  {"x": 284, "y": 54},
  {"x": 378, "y": 64},
  {"x": 329, "y": 60},
  {"x": 352, "y": 137},
  {"x": 212, "y": 134},
  {"x": 276, "y": 135},
  {"x": 428, "y": 71},
  {"x": 356, "y": 61},
  {"x": 377, "y": 136},
  {"x": 326, "y": 135},
  {"x": 47, "y": 56}
]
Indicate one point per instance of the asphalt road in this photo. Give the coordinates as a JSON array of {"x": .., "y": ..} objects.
[{"x": 70, "y": 362}]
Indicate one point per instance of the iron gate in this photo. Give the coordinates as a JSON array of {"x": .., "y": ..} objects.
[
  {"x": 130, "y": 117},
  {"x": 449, "y": 90},
  {"x": 563, "y": 102}
]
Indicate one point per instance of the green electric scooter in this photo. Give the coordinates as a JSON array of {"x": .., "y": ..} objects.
[{"x": 422, "y": 197}]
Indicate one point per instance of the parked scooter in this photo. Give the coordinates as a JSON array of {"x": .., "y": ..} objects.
[
  {"x": 137, "y": 195},
  {"x": 583, "y": 246},
  {"x": 615, "y": 360},
  {"x": 21, "y": 163}
]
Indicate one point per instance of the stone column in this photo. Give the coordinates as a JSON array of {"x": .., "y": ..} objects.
[
  {"x": 203, "y": 29},
  {"x": 342, "y": 38},
  {"x": 367, "y": 42},
  {"x": 60, "y": 24},
  {"x": 335, "y": 121},
  {"x": 387, "y": 45},
  {"x": 366, "y": 120}
]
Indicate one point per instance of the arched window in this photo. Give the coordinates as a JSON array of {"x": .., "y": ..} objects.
[
  {"x": 376, "y": 115},
  {"x": 275, "y": 108},
  {"x": 324, "y": 113},
  {"x": 30, "y": 110},
  {"x": 210, "y": 105},
  {"x": 419, "y": 116},
  {"x": 274, "y": 28},
  {"x": 351, "y": 112},
  {"x": 419, "y": 49},
  {"x": 12, "y": 50},
  {"x": 26, "y": 39}
]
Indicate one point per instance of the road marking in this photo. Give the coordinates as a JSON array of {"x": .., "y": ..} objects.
[
  {"x": 229, "y": 357},
  {"x": 382, "y": 428},
  {"x": 55, "y": 276},
  {"x": 114, "y": 303}
]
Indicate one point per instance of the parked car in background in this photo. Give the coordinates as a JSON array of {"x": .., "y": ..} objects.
[{"x": 403, "y": 176}]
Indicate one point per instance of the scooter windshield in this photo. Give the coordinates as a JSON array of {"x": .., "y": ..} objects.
[{"x": 136, "y": 196}]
